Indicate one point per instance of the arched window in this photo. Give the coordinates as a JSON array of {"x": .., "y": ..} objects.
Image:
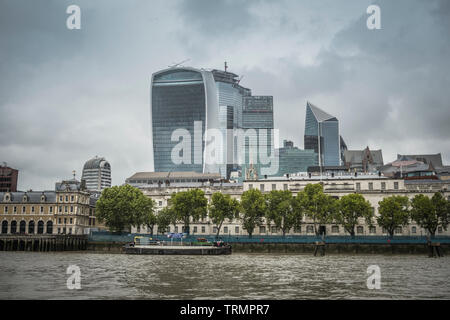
[
  {"x": 40, "y": 227},
  {"x": 13, "y": 226},
  {"x": 49, "y": 227},
  {"x": 23, "y": 226},
  {"x": 5, "y": 226},
  {"x": 31, "y": 227}
]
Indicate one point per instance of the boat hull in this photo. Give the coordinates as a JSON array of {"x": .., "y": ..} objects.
[{"x": 178, "y": 250}]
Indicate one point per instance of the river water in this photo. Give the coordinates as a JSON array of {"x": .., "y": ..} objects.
[{"x": 29, "y": 275}]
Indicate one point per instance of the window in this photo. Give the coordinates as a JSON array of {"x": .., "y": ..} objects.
[
  {"x": 71, "y": 221},
  {"x": 396, "y": 185},
  {"x": 203, "y": 229},
  {"x": 261, "y": 187},
  {"x": 285, "y": 186},
  {"x": 60, "y": 208},
  {"x": 195, "y": 229},
  {"x": 23, "y": 209},
  {"x": 372, "y": 230},
  {"x": 250, "y": 186},
  {"x": 298, "y": 229},
  {"x": 383, "y": 186},
  {"x": 225, "y": 230},
  {"x": 370, "y": 185},
  {"x": 42, "y": 210},
  {"x": 214, "y": 229},
  {"x": 71, "y": 198},
  {"x": 274, "y": 186},
  {"x": 359, "y": 230},
  {"x": 160, "y": 203},
  {"x": 309, "y": 229},
  {"x": 67, "y": 198},
  {"x": 71, "y": 208},
  {"x": 60, "y": 198},
  {"x": 59, "y": 230},
  {"x": 65, "y": 209},
  {"x": 70, "y": 230},
  {"x": 335, "y": 229},
  {"x": 176, "y": 229},
  {"x": 65, "y": 220},
  {"x": 50, "y": 209},
  {"x": 236, "y": 230},
  {"x": 6, "y": 209},
  {"x": 32, "y": 209},
  {"x": 413, "y": 230},
  {"x": 262, "y": 229},
  {"x": 358, "y": 186},
  {"x": 384, "y": 230},
  {"x": 398, "y": 230},
  {"x": 15, "y": 209},
  {"x": 59, "y": 220}
]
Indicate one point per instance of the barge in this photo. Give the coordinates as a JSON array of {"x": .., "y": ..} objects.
[{"x": 160, "y": 248}]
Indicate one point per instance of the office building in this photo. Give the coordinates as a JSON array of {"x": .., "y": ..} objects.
[
  {"x": 322, "y": 136},
  {"x": 294, "y": 160},
  {"x": 97, "y": 174},
  {"x": 8, "y": 178}
]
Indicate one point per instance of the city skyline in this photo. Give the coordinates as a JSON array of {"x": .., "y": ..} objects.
[{"x": 67, "y": 95}]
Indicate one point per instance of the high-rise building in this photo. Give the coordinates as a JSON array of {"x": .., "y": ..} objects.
[
  {"x": 294, "y": 160},
  {"x": 97, "y": 174},
  {"x": 8, "y": 178},
  {"x": 187, "y": 106},
  {"x": 322, "y": 136},
  {"x": 257, "y": 115}
]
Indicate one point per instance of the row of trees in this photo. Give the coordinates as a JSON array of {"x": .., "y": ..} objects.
[{"x": 125, "y": 206}]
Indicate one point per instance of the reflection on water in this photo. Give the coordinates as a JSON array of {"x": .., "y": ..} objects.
[{"x": 28, "y": 275}]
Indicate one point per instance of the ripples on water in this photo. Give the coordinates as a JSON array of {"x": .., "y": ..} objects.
[{"x": 28, "y": 275}]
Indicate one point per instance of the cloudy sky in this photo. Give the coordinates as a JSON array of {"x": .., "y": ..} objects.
[{"x": 68, "y": 95}]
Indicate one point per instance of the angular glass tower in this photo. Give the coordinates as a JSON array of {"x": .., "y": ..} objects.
[{"x": 322, "y": 135}]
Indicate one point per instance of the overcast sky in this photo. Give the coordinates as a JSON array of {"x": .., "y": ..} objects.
[{"x": 68, "y": 95}]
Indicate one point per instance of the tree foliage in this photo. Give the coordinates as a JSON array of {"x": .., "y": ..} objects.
[
  {"x": 189, "y": 205},
  {"x": 316, "y": 205},
  {"x": 282, "y": 210},
  {"x": 222, "y": 207},
  {"x": 253, "y": 210},
  {"x": 393, "y": 213},
  {"x": 350, "y": 208},
  {"x": 165, "y": 218},
  {"x": 121, "y": 207},
  {"x": 430, "y": 213}
]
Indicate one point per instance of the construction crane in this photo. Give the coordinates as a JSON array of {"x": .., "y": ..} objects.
[{"x": 174, "y": 65}]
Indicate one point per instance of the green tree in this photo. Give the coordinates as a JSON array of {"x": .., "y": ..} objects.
[
  {"x": 282, "y": 210},
  {"x": 350, "y": 208},
  {"x": 316, "y": 205},
  {"x": 253, "y": 209},
  {"x": 122, "y": 207},
  {"x": 165, "y": 218},
  {"x": 222, "y": 207},
  {"x": 189, "y": 205},
  {"x": 430, "y": 213},
  {"x": 393, "y": 213},
  {"x": 150, "y": 218}
]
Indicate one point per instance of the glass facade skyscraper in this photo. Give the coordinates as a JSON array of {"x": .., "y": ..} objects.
[
  {"x": 294, "y": 160},
  {"x": 322, "y": 136},
  {"x": 195, "y": 101}
]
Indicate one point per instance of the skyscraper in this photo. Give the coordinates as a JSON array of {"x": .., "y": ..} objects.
[
  {"x": 322, "y": 135},
  {"x": 257, "y": 114},
  {"x": 294, "y": 160},
  {"x": 97, "y": 174},
  {"x": 187, "y": 104}
]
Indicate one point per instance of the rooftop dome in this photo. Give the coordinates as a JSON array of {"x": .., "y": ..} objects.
[{"x": 96, "y": 163}]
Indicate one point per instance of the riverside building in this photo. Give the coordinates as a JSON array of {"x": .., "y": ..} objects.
[
  {"x": 68, "y": 209},
  {"x": 372, "y": 186}
]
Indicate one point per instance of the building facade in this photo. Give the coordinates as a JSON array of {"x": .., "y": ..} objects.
[
  {"x": 322, "y": 136},
  {"x": 97, "y": 174},
  {"x": 363, "y": 160},
  {"x": 8, "y": 178},
  {"x": 372, "y": 186},
  {"x": 293, "y": 159},
  {"x": 68, "y": 209}
]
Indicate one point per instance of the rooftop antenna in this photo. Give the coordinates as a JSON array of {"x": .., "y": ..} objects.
[
  {"x": 226, "y": 67},
  {"x": 174, "y": 65},
  {"x": 73, "y": 173}
]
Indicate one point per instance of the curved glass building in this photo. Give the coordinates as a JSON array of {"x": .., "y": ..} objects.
[
  {"x": 185, "y": 104},
  {"x": 97, "y": 174}
]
